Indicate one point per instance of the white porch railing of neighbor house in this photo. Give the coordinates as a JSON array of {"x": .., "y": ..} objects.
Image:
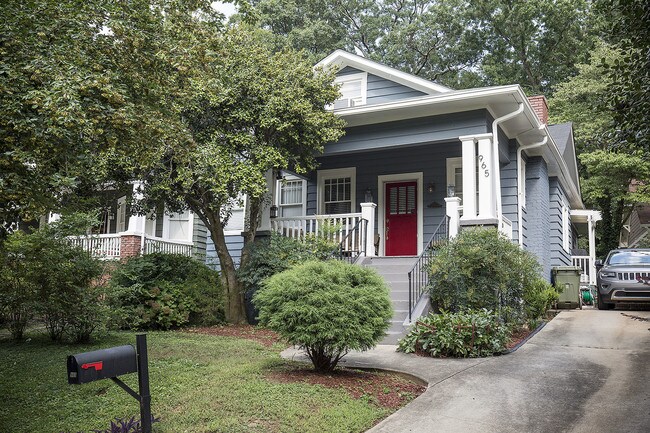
[
  {"x": 159, "y": 245},
  {"x": 586, "y": 274},
  {"x": 100, "y": 246}
]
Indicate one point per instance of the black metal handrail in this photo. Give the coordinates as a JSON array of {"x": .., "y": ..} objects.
[
  {"x": 419, "y": 273},
  {"x": 353, "y": 244}
]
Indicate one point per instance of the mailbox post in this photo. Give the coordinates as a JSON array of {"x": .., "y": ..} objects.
[{"x": 116, "y": 361}]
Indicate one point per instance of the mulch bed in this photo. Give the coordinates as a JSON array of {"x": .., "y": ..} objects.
[{"x": 388, "y": 390}]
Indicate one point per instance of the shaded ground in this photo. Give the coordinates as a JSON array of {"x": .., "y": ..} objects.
[{"x": 388, "y": 390}]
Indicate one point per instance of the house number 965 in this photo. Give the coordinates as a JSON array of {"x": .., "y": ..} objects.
[{"x": 486, "y": 172}]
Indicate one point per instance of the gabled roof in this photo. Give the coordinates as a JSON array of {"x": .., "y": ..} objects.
[
  {"x": 342, "y": 59},
  {"x": 562, "y": 134}
]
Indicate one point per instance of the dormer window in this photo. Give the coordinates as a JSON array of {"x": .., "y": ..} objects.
[{"x": 353, "y": 90}]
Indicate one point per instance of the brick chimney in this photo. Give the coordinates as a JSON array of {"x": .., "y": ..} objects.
[{"x": 540, "y": 106}]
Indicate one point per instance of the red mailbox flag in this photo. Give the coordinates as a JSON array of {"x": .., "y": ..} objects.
[{"x": 96, "y": 365}]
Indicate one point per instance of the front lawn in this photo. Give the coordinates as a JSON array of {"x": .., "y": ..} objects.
[{"x": 199, "y": 383}]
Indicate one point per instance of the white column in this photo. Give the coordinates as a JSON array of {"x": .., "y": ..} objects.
[
  {"x": 265, "y": 219},
  {"x": 469, "y": 177},
  {"x": 453, "y": 212},
  {"x": 592, "y": 249},
  {"x": 136, "y": 223},
  {"x": 487, "y": 183},
  {"x": 368, "y": 213}
]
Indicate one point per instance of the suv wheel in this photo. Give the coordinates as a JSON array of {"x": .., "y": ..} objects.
[{"x": 604, "y": 305}]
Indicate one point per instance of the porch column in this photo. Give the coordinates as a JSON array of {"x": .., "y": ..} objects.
[
  {"x": 453, "y": 212},
  {"x": 265, "y": 218},
  {"x": 132, "y": 241},
  {"x": 368, "y": 213},
  {"x": 591, "y": 228},
  {"x": 486, "y": 179},
  {"x": 469, "y": 177},
  {"x": 136, "y": 222}
]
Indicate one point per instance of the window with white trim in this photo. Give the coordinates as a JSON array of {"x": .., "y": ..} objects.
[
  {"x": 292, "y": 196},
  {"x": 336, "y": 189},
  {"x": 236, "y": 222},
  {"x": 566, "y": 227},
  {"x": 353, "y": 90},
  {"x": 180, "y": 226}
]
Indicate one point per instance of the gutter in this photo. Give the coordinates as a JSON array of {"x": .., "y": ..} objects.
[
  {"x": 495, "y": 155},
  {"x": 520, "y": 181}
]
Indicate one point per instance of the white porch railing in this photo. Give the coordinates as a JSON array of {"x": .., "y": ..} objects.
[
  {"x": 100, "y": 246},
  {"x": 334, "y": 227},
  {"x": 587, "y": 274},
  {"x": 159, "y": 245}
]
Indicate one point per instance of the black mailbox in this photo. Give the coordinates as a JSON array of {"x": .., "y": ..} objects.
[{"x": 101, "y": 364}]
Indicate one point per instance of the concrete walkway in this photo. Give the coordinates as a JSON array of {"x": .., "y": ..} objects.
[{"x": 586, "y": 372}]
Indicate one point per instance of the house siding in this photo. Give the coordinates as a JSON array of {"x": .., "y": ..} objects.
[
  {"x": 430, "y": 159},
  {"x": 558, "y": 200},
  {"x": 199, "y": 238},
  {"x": 509, "y": 196},
  {"x": 381, "y": 90},
  {"x": 537, "y": 226},
  {"x": 410, "y": 132},
  {"x": 235, "y": 243}
]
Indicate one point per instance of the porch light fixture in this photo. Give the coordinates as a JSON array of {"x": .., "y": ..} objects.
[
  {"x": 274, "y": 211},
  {"x": 278, "y": 175},
  {"x": 431, "y": 187},
  {"x": 451, "y": 190},
  {"x": 368, "y": 197}
]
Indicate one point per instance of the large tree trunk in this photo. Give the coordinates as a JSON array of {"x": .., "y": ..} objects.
[{"x": 234, "y": 307}]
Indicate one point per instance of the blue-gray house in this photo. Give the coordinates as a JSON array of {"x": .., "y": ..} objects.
[{"x": 417, "y": 154}]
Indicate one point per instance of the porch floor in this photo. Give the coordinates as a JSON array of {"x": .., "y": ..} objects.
[{"x": 395, "y": 271}]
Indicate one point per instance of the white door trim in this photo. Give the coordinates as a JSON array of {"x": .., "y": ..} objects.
[{"x": 382, "y": 180}]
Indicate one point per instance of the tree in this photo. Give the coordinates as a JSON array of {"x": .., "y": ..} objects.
[
  {"x": 82, "y": 84},
  {"x": 249, "y": 110}
]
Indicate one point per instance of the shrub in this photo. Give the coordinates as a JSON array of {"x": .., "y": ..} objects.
[
  {"x": 43, "y": 274},
  {"x": 464, "y": 334},
  {"x": 480, "y": 268},
  {"x": 163, "y": 291},
  {"x": 538, "y": 298},
  {"x": 277, "y": 253},
  {"x": 326, "y": 308}
]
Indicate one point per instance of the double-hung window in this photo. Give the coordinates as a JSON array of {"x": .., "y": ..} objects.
[
  {"x": 337, "y": 191},
  {"x": 292, "y": 196}
]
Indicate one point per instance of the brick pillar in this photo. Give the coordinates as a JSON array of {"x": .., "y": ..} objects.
[
  {"x": 130, "y": 246},
  {"x": 540, "y": 106}
]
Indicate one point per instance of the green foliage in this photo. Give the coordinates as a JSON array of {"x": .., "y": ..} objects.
[
  {"x": 538, "y": 298},
  {"x": 164, "y": 291},
  {"x": 42, "y": 274},
  {"x": 464, "y": 334},
  {"x": 480, "y": 268},
  {"x": 327, "y": 308},
  {"x": 278, "y": 253}
]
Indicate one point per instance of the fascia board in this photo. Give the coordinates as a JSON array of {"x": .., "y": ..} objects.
[{"x": 342, "y": 58}]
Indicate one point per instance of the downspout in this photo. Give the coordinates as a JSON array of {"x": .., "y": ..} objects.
[
  {"x": 495, "y": 155},
  {"x": 520, "y": 183}
]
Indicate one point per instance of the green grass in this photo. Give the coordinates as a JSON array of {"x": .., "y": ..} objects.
[{"x": 199, "y": 383}]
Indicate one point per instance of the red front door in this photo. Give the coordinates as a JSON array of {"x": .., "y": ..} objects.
[{"x": 401, "y": 219}]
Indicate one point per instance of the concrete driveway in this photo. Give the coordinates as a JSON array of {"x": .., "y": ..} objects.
[{"x": 586, "y": 371}]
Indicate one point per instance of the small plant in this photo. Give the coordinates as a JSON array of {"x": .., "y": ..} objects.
[
  {"x": 464, "y": 334},
  {"x": 164, "y": 291},
  {"x": 327, "y": 308},
  {"x": 538, "y": 298},
  {"x": 119, "y": 425}
]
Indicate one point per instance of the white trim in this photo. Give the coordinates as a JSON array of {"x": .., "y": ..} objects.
[
  {"x": 363, "y": 77},
  {"x": 278, "y": 189},
  {"x": 342, "y": 59},
  {"x": 452, "y": 165},
  {"x": 566, "y": 227},
  {"x": 382, "y": 180},
  {"x": 190, "y": 229},
  {"x": 121, "y": 218},
  {"x": 237, "y": 232},
  {"x": 321, "y": 175}
]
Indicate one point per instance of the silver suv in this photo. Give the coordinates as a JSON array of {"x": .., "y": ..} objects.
[{"x": 623, "y": 277}]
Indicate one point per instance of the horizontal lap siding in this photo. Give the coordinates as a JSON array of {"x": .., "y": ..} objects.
[
  {"x": 509, "y": 197},
  {"x": 429, "y": 159},
  {"x": 381, "y": 90},
  {"x": 199, "y": 238},
  {"x": 557, "y": 199},
  {"x": 234, "y": 243},
  {"x": 537, "y": 227},
  {"x": 409, "y": 132}
]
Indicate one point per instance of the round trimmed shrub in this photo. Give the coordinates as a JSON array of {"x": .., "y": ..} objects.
[{"x": 327, "y": 308}]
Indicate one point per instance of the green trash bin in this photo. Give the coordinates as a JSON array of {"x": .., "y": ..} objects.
[{"x": 568, "y": 278}]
